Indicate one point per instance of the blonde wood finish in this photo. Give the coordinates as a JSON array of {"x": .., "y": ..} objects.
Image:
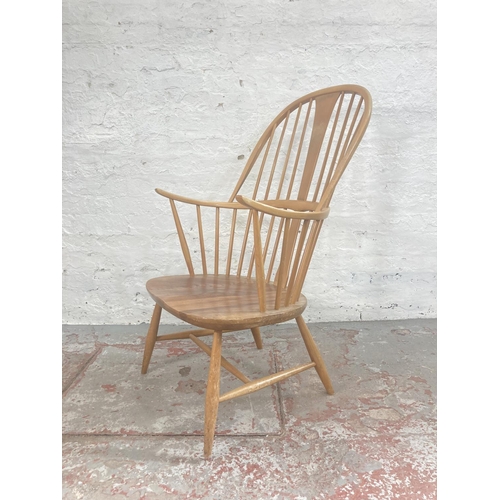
[
  {"x": 224, "y": 362},
  {"x": 151, "y": 338},
  {"x": 202, "y": 240},
  {"x": 282, "y": 272},
  {"x": 201, "y": 203},
  {"x": 185, "y": 334},
  {"x": 244, "y": 246},
  {"x": 314, "y": 354},
  {"x": 182, "y": 239},
  {"x": 259, "y": 263},
  {"x": 255, "y": 385},
  {"x": 257, "y": 337},
  {"x": 277, "y": 210},
  {"x": 267, "y": 208},
  {"x": 231, "y": 242},
  {"x": 297, "y": 205},
  {"x": 217, "y": 225},
  {"x": 275, "y": 249},
  {"x": 325, "y": 104},
  {"x": 299, "y": 151},
  {"x": 220, "y": 302},
  {"x": 296, "y": 262},
  {"x": 213, "y": 393}
]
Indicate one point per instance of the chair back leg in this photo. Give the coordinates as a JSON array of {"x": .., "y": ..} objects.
[
  {"x": 151, "y": 338},
  {"x": 257, "y": 337}
]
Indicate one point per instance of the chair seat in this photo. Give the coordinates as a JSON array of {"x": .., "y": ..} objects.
[{"x": 220, "y": 301}]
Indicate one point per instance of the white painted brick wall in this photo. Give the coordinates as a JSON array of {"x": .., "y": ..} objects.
[{"x": 169, "y": 94}]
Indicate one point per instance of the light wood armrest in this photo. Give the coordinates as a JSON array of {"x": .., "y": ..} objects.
[
  {"x": 286, "y": 213},
  {"x": 201, "y": 203}
]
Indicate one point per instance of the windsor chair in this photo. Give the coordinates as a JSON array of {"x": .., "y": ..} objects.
[{"x": 255, "y": 276}]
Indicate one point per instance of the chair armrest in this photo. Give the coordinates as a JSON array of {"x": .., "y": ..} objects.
[
  {"x": 286, "y": 213},
  {"x": 201, "y": 203}
]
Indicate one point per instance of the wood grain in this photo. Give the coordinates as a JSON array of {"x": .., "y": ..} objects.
[
  {"x": 151, "y": 338},
  {"x": 315, "y": 355},
  {"x": 224, "y": 362},
  {"x": 212, "y": 395},
  {"x": 256, "y": 385},
  {"x": 220, "y": 302}
]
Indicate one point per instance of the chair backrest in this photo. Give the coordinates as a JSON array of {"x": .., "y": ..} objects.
[
  {"x": 306, "y": 148},
  {"x": 295, "y": 165}
]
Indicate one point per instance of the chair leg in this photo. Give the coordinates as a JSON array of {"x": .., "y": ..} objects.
[
  {"x": 257, "y": 337},
  {"x": 151, "y": 338},
  {"x": 314, "y": 354},
  {"x": 213, "y": 393}
]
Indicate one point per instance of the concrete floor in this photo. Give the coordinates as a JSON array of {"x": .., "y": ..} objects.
[{"x": 134, "y": 436}]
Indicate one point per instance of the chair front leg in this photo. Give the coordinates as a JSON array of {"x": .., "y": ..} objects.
[
  {"x": 213, "y": 393},
  {"x": 314, "y": 354},
  {"x": 151, "y": 338}
]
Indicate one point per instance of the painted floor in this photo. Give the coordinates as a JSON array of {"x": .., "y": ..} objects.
[{"x": 134, "y": 436}]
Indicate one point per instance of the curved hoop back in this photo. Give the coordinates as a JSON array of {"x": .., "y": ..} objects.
[
  {"x": 295, "y": 166},
  {"x": 306, "y": 148},
  {"x": 300, "y": 158}
]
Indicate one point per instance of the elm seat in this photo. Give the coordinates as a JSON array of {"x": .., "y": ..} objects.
[
  {"x": 220, "y": 301},
  {"x": 248, "y": 258}
]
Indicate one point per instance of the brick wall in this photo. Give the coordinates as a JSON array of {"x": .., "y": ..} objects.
[{"x": 173, "y": 94}]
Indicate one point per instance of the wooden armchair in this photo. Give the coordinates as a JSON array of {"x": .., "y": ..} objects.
[{"x": 253, "y": 274}]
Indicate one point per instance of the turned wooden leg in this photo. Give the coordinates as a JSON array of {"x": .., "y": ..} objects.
[
  {"x": 257, "y": 337},
  {"x": 151, "y": 338},
  {"x": 213, "y": 393},
  {"x": 314, "y": 354}
]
